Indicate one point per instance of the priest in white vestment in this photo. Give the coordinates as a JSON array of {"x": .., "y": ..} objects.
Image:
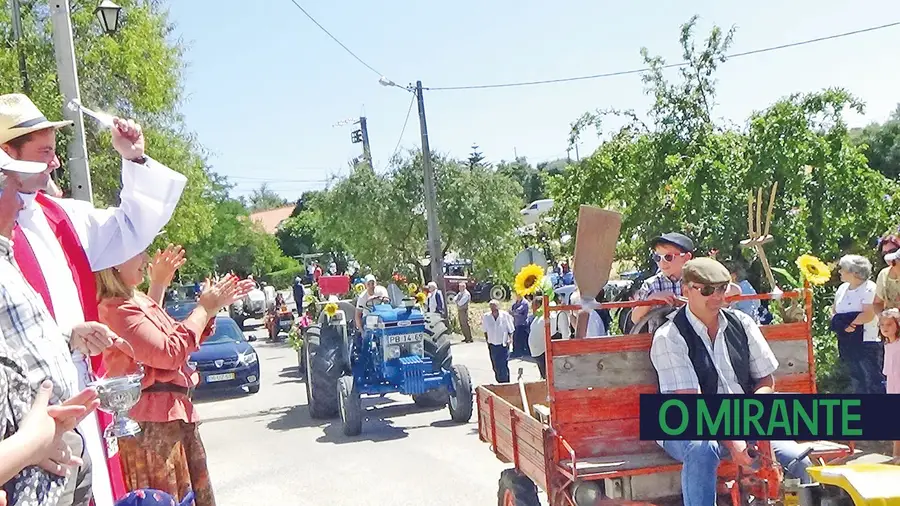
[{"x": 102, "y": 238}]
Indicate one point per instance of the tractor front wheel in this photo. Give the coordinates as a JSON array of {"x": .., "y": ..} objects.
[
  {"x": 461, "y": 401},
  {"x": 322, "y": 371},
  {"x": 351, "y": 406},
  {"x": 516, "y": 489}
]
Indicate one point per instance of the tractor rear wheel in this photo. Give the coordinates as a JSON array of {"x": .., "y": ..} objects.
[
  {"x": 461, "y": 402},
  {"x": 516, "y": 489},
  {"x": 437, "y": 348},
  {"x": 351, "y": 406},
  {"x": 323, "y": 357}
]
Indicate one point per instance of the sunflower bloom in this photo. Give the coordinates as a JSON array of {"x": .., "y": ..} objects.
[
  {"x": 420, "y": 298},
  {"x": 529, "y": 279},
  {"x": 813, "y": 270},
  {"x": 331, "y": 309},
  {"x": 359, "y": 288},
  {"x": 413, "y": 288}
]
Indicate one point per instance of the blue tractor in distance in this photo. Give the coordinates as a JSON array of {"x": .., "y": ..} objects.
[{"x": 398, "y": 350}]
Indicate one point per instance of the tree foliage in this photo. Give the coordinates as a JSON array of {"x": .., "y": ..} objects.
[
  {"x": 264, "y": 198},
  {"x": 379, "y": 219},
  {"x": 881, "y": 145}
]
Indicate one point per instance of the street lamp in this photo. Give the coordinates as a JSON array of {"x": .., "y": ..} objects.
[{"x": 108, "y": 14}]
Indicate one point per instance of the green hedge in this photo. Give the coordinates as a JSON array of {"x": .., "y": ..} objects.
[{"x": 284, "y": 279}]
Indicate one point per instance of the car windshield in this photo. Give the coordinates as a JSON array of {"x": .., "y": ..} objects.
[
  {"x": 226, "y": 332},
  {"x": 180, "y": 311}
]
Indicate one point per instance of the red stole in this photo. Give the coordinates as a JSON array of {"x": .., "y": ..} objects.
[{"x": 85, "y": 282}]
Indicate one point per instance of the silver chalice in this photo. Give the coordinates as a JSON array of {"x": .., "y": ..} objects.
[{"x": 117, "y": 396}]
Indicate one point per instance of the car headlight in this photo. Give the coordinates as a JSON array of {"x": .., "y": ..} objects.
[
  {"x": 247, "y": 358},
  {"x": 392, "y": 352},
  {"x": 418, "y": 348}
]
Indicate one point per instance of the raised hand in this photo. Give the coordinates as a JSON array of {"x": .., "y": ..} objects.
[
  {"x": 164, "y": 264},
  {"x": 128, "y": 138},
  {"x": 225, "y": 292}
]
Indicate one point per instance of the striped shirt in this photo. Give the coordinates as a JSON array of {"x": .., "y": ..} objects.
[
  {"x": 658, "y": 283},
  {"x": 27, "y": 327}
]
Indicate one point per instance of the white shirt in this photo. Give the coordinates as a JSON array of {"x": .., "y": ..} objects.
[
  {"x": 110, "y": 236},
  {"x": 669, "y": 354},
  {"x": 851, "y": 301},
  {"x": 537, "y": 342},
  {"x": 595, "y": 326},
  {"x": 364, "y": 297},
  {"x": 498, "y": 329},
  {"x": 561, "y": 324},
  {"x": 463, "y": 298}
]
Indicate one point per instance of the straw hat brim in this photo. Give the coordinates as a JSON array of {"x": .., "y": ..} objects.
[{"x": 14, "y": 133}]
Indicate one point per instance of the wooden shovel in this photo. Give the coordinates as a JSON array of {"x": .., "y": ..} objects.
[{"x": 595, "y": 250}]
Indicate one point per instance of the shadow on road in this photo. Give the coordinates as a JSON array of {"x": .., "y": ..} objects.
[
  {"x": 378, "y": 424},
  {"x": 295, "y": 417},
  {"x": 201, "y": 397},
  {"x": 267, "y": 412}
]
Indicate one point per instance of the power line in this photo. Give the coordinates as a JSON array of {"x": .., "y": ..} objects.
[
  {"x": 668, "y": 66},
  {"x": 360, "y": 60},
  {"x": 403, "y": 130}
]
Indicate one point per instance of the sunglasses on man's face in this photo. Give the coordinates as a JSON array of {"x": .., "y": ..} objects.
[
  {"x": 668, "y": 257},
  {"x": 707, "y": 290}
]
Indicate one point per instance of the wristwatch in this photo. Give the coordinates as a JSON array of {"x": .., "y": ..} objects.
[{"x": 141, "y": 159}]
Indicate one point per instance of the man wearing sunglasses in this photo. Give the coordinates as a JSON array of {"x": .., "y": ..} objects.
[{"x": 708, "y": 349}]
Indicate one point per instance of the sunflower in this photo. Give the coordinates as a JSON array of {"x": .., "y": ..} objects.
[
  {"x": 359, "y": 288},
  {"x": 331, "y": 309},
  {"x": 420, "y": 298},
  {"x": 529, "y": 279},
  {"x": 813, "y": 270},
  {"x": 412, "y": 288}
]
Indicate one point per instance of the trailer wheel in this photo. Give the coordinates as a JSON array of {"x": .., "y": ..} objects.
[
  {"x": 461, "y": 403},
  {"x": 516, "y": 489},
  {"x": 351, "y": 406},
  {"x": 322, "y": 371},
  {"x": 437, "y": 348}
]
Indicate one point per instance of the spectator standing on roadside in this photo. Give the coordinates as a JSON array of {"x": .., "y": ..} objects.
[
  {"x": 519, "y": 312},
  {"x": 463, "y": 298},
  {"x": 498, "y": 329}
]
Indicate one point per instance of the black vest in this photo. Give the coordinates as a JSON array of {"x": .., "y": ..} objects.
[{"x": 738, "y": 352}]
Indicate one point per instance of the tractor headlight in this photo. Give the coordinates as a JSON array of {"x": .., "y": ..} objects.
[
  {"x": 418, "y": 348},
  {"x": 391, "y": 352}
]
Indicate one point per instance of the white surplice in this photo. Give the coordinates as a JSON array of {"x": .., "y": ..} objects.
[{"x": 149, "y": 195}]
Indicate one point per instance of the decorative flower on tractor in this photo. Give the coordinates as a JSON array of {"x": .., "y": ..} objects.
[
  {"x": 412, "y": 288},
  {"x": 359, "y": 288},
  {"x": 331, "y": 309},
  {"x": 420, "y": 298},
  {"x": 529, "y": 279},
  {"x": 813, "y": 270}
]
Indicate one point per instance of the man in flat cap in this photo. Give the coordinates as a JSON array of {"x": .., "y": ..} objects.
[{"x": 708, "y": 349}]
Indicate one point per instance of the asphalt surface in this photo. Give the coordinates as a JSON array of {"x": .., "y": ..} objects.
[{"x": 265, "y": 449}]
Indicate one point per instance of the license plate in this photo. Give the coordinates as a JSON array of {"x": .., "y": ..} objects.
[
  {"x": 403, "y": 338},
  {"x": 212, "y": 378}
]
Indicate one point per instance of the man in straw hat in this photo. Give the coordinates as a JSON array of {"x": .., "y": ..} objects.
[
  {"x": 708, "y": 349},
  {"x": 62, "y": 242}
]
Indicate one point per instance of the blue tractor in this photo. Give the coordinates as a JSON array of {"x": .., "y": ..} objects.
[{"x": 398, "y": 350}]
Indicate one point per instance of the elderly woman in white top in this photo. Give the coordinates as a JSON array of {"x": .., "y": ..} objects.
[{"x": 855, "y": 323}]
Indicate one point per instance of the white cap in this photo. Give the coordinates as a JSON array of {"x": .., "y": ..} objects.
[
  {"x": 370, "y": 277},
  {"x": 494, "y": 302},
  {"x": 890, "y": 257},
  {"x": 8, "y": 163}
]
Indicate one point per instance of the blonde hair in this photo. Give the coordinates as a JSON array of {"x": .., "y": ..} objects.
[
  {"x": 111, "y": 286},
  {"x": 894, "y": 314}
]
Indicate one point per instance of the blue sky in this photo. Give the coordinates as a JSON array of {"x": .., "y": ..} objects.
[{"x": 264, "y": 85}]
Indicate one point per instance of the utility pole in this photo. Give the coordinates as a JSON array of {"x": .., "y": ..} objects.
[
  {"x": 367, "y": 151},
  {"x": 63, "y": 45},
  {"x": 434, "y": 231},
  {"x": 17, "y": 36}
]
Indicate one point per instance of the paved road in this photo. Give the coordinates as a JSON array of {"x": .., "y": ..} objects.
[{"x": 265, "y": 449}]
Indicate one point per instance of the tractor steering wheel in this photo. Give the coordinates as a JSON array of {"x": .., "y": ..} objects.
[{"x": 370, "y": 304}]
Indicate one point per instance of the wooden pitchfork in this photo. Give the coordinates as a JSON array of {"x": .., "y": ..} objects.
[{"x": 760, "y": 236}]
